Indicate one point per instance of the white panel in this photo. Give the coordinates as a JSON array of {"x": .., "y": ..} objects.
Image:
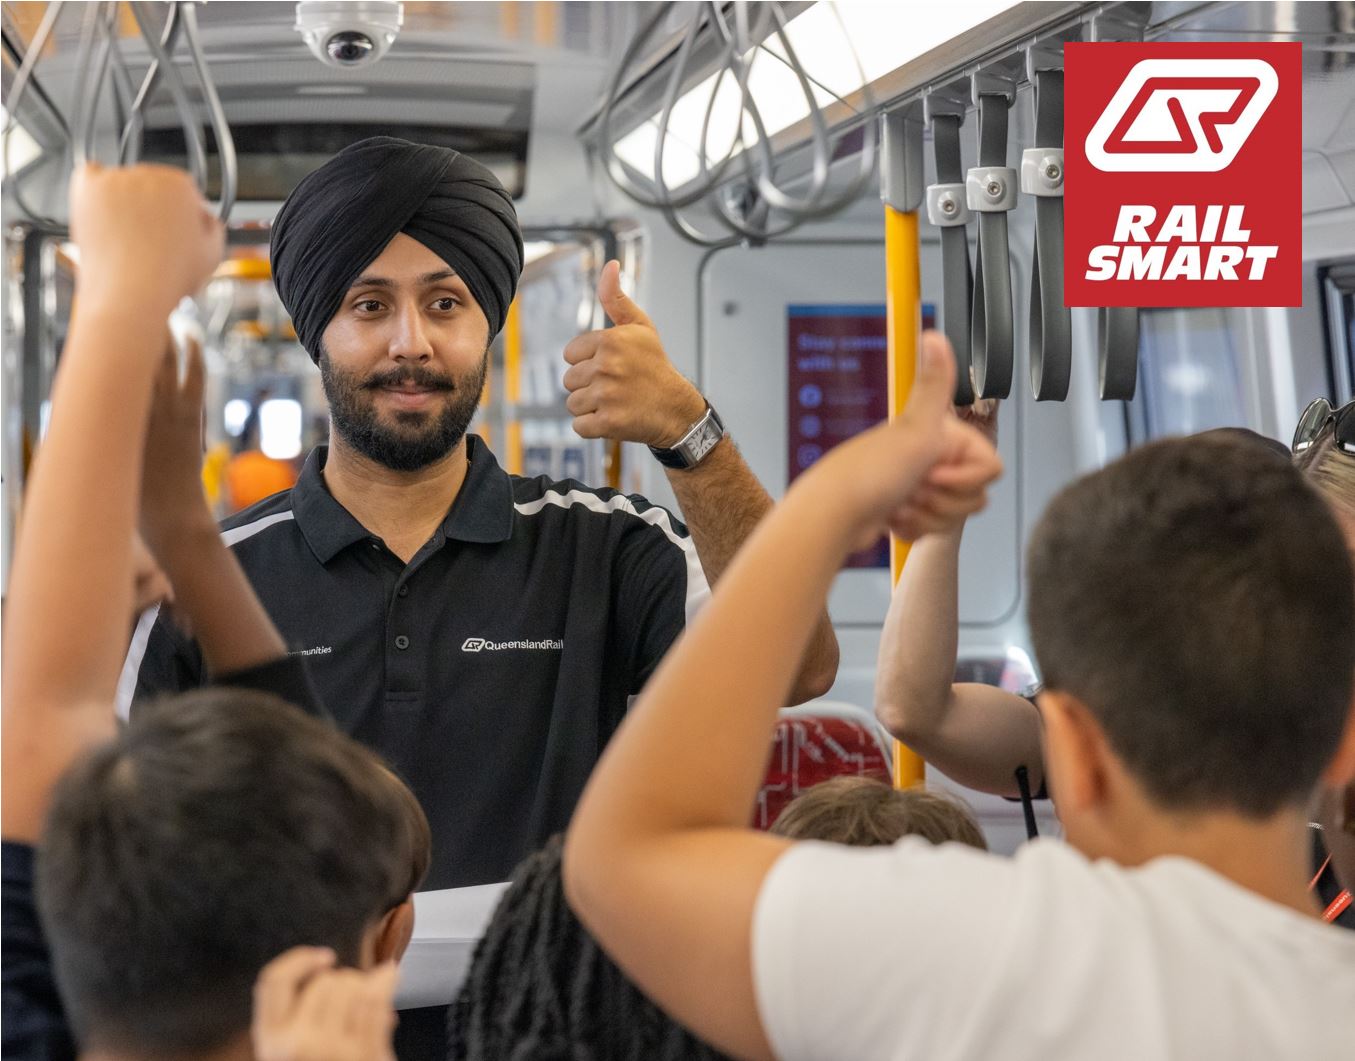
[
  {"x": 1322, "y": 188},
  {"x": 744, "y": 295}
]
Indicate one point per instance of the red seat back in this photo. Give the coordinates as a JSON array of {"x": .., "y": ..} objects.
[{"x": 809, "y": 748}]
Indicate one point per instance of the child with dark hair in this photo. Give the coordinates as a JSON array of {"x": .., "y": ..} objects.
[
  {"x": 863, "y": 812},
  {"x": 179, "y": 857},
  {"x": 540, "y": 987},
  {"x": 990, "y": 739},
  {"x": 1198, "y": 678}
]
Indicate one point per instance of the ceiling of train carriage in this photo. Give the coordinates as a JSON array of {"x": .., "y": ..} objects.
[
  {"x": 486, "y": 77},
  {"x": 475, "y": 76},
  {"x": 1327, "y": 32}
]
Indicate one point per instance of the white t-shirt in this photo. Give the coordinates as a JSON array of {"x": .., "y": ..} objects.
[{"x": 915, "y": 951}]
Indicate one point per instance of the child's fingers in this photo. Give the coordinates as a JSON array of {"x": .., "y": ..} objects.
[
  {"x": 322, "y": 1005},
  {"x": 950, "y": 477},
  {"x": 167, "y": 375},
  {"x": 194, "y": 373},
  {"x": 373, "y": 1018},
  {"x": 278, "y": 987},
  {"x": 934, "y": 384}
]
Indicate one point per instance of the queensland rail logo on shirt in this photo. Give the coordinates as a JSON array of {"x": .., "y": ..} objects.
[
  {"x": 480, "y": 644},
  {"x": 1183, "y": 175}
]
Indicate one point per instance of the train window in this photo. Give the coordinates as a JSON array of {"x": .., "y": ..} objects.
[
  {"x": 524, "y": 415},
  {"x": 1189, "y": 374},
  {"x": 234, "y": 415},
  {"x": 1338, "y": 290},
  {"x": 280, "y": 428}
]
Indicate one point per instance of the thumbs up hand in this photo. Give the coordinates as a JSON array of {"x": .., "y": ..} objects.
[
  {"x": 621, "y": 384},
  {"x": 921, "y": 473}
]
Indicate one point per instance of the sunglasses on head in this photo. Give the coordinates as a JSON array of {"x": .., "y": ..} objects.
[{"x": 1315, "y": 419}]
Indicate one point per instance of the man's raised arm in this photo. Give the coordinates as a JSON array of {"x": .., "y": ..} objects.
[{"x": 622, "y": 386}]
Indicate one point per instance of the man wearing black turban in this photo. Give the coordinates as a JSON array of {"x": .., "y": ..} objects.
[
  {"x": 484, "y": 632},
  {"x": 343, "y": 215},
  {"x": 375, "y": 197}
]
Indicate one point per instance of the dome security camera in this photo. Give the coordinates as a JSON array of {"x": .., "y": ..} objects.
[{"x": 349, "y": 33}]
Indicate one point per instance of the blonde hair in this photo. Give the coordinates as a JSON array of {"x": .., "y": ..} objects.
[
  {"x": 1331, "y": 471},
  {"x": 863, "y": 812}
]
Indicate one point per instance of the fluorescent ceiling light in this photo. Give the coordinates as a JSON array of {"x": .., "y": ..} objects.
[
  {"x": 884, "y": 37},
  {"x": 23, "y": 149}
]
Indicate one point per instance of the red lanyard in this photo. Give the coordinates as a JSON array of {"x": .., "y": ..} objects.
[{"x": 1338, "y": 905}]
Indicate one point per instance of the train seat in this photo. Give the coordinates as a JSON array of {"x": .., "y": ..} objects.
[{"x": 818, "y": 741}]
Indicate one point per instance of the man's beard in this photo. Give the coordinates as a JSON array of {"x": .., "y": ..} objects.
[{"x": 415, "y": 439}]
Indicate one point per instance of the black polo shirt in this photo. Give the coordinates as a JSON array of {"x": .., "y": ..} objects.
[{"x": 492, "y": 669}]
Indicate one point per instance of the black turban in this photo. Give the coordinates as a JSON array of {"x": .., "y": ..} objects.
[{"x": 340, "y": 218}]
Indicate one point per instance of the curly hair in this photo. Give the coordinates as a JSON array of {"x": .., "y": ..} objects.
[{"x": 541, "y": 989}]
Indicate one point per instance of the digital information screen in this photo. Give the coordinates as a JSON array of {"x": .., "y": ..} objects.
[{"x": 838, "y": 385}]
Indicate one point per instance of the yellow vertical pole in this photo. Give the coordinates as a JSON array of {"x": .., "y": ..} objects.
[
  {"x": 903, "y": 307},
  {"x": 512, "y": 387},
  {"x": 546, "y": 23}
]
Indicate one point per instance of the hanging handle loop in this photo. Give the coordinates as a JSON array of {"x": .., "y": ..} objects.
[
  {"x": 991, "y": 192},
  {"x": 948, "y": 209},
  {"x": 1051, "y": 330}
]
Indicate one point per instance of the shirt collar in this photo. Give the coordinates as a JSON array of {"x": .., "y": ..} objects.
[{"x": 482, "y": 511}]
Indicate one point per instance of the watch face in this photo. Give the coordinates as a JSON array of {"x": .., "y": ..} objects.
[{"x": 705, "y": 442}]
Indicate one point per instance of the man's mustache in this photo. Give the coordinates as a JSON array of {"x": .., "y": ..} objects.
[{"x": 415, "y": 375}]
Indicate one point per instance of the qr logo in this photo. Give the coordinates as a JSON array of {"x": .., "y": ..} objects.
[
  {"x": 1182, "y": 115},
  {"x": 473, "y": 644}
]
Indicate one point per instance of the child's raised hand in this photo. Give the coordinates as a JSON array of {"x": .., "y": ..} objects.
[
  {"x": 171, "y": 479},
  {"x": 925, "y": 471},
  {"x": 305, "y": 1009},
  {"x": 146, "y": 237}
]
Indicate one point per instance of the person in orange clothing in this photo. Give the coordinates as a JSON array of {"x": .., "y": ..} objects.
[{"x": 252, "y": 475}]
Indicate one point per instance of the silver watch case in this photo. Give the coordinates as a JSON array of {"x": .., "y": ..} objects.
[{"x": 700, "y": 439}]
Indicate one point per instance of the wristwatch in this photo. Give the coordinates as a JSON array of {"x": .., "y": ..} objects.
[{"x": 700, "y": 439}]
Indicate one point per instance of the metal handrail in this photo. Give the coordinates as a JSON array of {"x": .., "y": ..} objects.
[
  {"x": 99, "y": 64},
  {"x": 770, "y": 209}
]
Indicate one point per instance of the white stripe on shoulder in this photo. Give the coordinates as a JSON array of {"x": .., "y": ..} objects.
[
  {"x": 698, "y": 590},
  {"x": 239, "y": 534},
  {"x": 131, "y": 666}
]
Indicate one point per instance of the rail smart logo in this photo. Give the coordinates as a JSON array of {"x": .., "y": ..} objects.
[{"x": 1183, "y": 175}]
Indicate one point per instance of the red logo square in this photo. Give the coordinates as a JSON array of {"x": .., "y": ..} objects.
[{"x": 1183, "y": 180}]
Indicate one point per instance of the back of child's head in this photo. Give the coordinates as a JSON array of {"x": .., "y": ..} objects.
[
  {"x": 864, "y": 812},
  {"x": 220, "y": 829},
  {"x": 1198, "y": 600},
  {"x": 539, "y": 987},
  {"x": 418, "y": 836}
]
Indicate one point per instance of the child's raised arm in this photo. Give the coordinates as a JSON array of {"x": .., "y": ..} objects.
[
  {"x": 659, "y": 863},
  {"x": 976, "y": 734},
  {"x": 239, "y": 641},
  {"x": 146, "y": 240}
]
